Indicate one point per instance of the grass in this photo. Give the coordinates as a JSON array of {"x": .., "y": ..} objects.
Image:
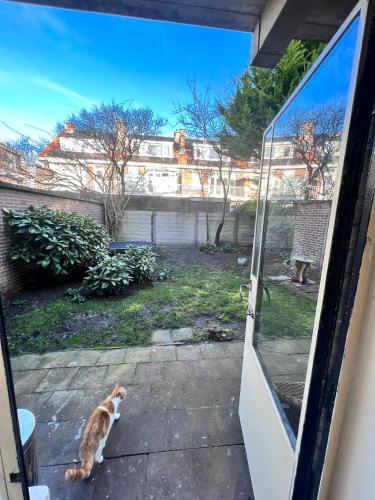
[
  {"x": 192, "y": 292},
  {"x": 288, "y": 314}
]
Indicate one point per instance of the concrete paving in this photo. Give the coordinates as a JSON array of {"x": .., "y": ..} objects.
[{"x": 179, "y": 434}]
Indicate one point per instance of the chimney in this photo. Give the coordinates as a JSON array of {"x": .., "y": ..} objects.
[
  {"x": 308, "y": 131},
  {"x": 180, "y": 137},
  {"x": 121, "y": 129},
  {"x": 69, "y": 128}
]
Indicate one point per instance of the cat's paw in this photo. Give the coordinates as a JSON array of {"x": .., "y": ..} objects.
[
  {"x": 117, "y": 416},
  {"x": 100, "y": 459}
]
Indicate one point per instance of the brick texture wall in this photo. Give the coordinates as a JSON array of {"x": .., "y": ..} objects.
[
  {"x": 14, "y": 274},
  {"x": 311, "y": 224}
]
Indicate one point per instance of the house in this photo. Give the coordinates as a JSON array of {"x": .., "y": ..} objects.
[
  {"x": 12, "y": 168},
  {"x": 164, "y": 166}
]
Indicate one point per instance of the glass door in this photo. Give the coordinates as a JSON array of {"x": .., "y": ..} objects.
[{"x": 300, "y": 181}]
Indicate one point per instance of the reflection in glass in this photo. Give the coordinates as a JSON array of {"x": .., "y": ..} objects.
[{"x": 296, "y": 209}]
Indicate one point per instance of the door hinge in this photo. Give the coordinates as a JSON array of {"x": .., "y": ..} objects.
[{"x": 15, "y": 477}]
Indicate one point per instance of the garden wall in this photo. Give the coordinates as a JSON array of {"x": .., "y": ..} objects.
[
  {"x": 182, "y": 221},
  {"x": 310, "y": 231},
  {"x": 13, "y": 275}
]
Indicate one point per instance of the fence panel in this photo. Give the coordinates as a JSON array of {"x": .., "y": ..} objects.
[{"x": 136, "y": 226}]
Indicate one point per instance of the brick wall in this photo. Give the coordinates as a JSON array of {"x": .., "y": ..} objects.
[
  {"x": 310, "y": 231},
  {"x": 13, "y": 274}
]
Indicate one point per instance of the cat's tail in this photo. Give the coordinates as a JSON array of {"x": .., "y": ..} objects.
[{"x": 82, "y": 473}]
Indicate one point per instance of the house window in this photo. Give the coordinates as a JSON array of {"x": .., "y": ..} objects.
[
  {"x": 154, "y": 149},
  {"x": 287, "y": 151}
]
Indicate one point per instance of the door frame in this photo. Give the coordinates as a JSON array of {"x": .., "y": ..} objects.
[{"x": 13, "y": 477}]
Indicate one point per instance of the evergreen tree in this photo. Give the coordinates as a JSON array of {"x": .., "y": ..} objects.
[{"x": 260, "y": 94}]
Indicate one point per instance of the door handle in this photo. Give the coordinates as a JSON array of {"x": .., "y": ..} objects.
[{"x": 244, "y": 285}]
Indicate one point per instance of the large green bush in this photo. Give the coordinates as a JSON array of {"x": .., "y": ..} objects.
[
  {"x": 108, "y": 277},
  {"x": 115, "y": 272},
  {"x": 56, "y": 241},
  {"x": 141, "y": 261}
]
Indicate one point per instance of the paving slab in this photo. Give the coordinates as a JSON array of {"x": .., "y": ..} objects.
[
  {"x": 167, "y": 396},
  {"x": 36, "y": 403},
  {"x": 150, "y": 372},
  {"x": 53, "y": 477},
  {"x": 137, "y": 355},
  {"x": 222, "y": 473},
  {"x": 112, "y": 357},
  {"x": 89, "y": 377},
  {"x": 230, "y": 367},
  {"x": 199, "y": 393},
  {"x": 224, "y": 427},
  {"x": 28, "y": 381},
  {"x": 188, "y": 429},
  {"x": 121, "y": 478},
  {"x": 58, "y": 359},
  {"x": 25, "y": 362},
  {"x": 58, "y": 441},
  {"x": 234, "y": 349},
  {"x": 67, "y": 405},
  {"x": 163, "y": 353},
  {"x": 214, "y": 350},
  {"x": 226, "y": 391},
  {"x": 137, "y": 434},
  {"x": 120, "y": 374},
  {"x": 182, "y": 334},
  {"x": 188, "y": 352},
  {"x": 207, "y": 369},
  {"x": 171, "y": 475},
  {"x": 161, "y": 337},
  {"x": 57, "y": 379},
  {"x": 138, "y": 399}
]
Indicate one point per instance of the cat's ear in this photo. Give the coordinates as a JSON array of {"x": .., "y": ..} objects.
[{"x": 117, "y": 387}]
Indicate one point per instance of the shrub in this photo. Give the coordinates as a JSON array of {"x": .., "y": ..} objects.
[
  {"x": 208, "y": 247},
  {"x": 75, "y": 295},
  {"x": 109, "y": 276},
  {"x": 56, "y": 241},
  {"x": 228, "y": 248},
  {"x": 141, "y": 262}
]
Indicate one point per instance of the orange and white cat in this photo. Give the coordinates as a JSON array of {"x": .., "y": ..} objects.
[{"x": 96, "y": 433}]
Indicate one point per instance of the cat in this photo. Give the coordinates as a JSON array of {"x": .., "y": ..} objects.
[{"x": 96, "y": 433}]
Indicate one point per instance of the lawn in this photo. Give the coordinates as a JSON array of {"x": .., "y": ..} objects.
[{"x": 192, "y": 296}]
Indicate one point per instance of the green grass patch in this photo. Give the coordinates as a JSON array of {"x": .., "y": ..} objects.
[
  {"x": 190, "y": 293},
  {"x": 288, "y": 314}
]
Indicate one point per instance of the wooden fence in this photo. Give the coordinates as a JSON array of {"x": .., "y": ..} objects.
[{"x": 184, "y": 228}]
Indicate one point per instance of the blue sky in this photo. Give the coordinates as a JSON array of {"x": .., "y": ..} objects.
[{"x": 53, "y": 62}]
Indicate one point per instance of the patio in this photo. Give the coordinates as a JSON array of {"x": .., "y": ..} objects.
[{"x": 179, "y": 435}]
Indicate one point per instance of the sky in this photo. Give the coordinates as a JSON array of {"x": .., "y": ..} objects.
[{"x": 54, "y": 62}]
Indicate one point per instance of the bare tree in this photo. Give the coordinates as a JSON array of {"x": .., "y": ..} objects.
[
  {"x": 315, "y": 135},
  {"x": 202, "y": 120},
  {"x": 205, "y": 174},
  {"x": 111, "y": 133}
]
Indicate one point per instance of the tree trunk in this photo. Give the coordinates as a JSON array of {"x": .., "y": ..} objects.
[{"x": 221, "y": 223}]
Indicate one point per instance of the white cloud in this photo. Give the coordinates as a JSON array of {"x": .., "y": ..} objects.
[{"x": 64, "y": 91}]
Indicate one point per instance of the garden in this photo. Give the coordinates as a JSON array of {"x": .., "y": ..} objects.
[{"x": 94, "y": 298}]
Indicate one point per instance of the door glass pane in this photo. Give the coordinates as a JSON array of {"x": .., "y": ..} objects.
[{"x": 307, "y": 143}]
